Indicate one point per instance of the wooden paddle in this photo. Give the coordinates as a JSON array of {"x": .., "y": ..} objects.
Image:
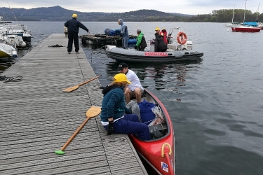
[
  {"x": 70, "y": 89},
  {"x": 92, "y": 112}
]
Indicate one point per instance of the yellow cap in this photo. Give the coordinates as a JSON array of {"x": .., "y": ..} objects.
[
  {"x": 157, "y": 28},
  {"x": 121, "y": 78},
  {"x": 74, "y": 15}
]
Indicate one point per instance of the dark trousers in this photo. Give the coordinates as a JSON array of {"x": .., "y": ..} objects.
[
  {"x": 73, "y": 37},
  {"x": 130, "y": 124}
]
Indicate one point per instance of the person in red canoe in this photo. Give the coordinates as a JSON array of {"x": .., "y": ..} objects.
[
  {"x": 134, "y": 89},
  {"x": 115, "y": 117}
]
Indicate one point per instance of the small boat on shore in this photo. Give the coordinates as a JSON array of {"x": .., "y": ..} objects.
[
  {"x": 159, "y": 152},
  {"x": 172, "y": 54},
  {"x": 7, "y": 51}
]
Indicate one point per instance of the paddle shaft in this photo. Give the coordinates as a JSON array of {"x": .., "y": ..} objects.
[
  {"x": 85, "y": 82},
  {"x": 75, "y": 133}
]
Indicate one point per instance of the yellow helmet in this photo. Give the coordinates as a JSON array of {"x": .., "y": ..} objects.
[
  {"x": 120, "y": 77},
  {"x": 157, "y": 28},
  {"x": 74, "y": 15}
]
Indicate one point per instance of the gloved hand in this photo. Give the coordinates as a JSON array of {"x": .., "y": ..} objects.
[
  {"x": 135, "y": 47},
  {"x": 110, "y": 127}
]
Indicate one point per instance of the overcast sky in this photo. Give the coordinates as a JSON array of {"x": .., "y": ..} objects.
[{"x": 177, "y": 6}]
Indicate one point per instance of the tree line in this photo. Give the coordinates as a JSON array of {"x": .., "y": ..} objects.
[{"x": 226, "y": 15}]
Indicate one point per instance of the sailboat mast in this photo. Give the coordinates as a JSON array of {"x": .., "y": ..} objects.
[
  {"x": 257, "y": 12},
  {"x": 233, "y": 13},
  {"x": 245, "y": 11}
]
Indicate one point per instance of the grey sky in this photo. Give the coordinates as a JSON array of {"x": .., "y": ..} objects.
[{"x": 177, "y": 6}]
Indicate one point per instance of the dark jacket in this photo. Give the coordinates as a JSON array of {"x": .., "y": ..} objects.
[
  {"x": 73, "y": 26},
  {"x": 113, "y": 104},
  {"x": 159, "y": 45}
]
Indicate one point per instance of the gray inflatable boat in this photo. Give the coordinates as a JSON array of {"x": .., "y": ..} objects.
[{"x": 173, "y": 54}]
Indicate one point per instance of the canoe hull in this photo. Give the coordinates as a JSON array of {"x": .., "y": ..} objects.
[{"x": 158, "y": 153}]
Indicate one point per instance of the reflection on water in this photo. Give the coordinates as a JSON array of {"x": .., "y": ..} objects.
[{"x": 5, "y": 63}]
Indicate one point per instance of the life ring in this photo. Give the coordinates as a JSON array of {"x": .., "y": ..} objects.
[{"x": 181, "y": 38}]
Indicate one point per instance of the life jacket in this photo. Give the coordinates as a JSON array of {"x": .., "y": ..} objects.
[{"x": 164, "y": 35}]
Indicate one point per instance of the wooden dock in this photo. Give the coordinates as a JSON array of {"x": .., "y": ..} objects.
[{"x": 37, "y": 118}]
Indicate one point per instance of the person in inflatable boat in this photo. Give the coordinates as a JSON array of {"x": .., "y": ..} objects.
[
  {"x": 124, "y": 34},
  {"x": 141, "y": 42}
]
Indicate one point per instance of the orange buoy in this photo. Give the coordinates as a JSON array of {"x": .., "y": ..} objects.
[{"x": 181, "y": 38}]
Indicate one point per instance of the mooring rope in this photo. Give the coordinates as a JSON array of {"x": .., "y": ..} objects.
[
  {"x": 56, "y": 45},
  {"x": 6, "y": 79}
]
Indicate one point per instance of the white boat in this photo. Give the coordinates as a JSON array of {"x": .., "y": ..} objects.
[
  {"x": 260, "y": 25},
  {"x": 16, "y": 29},
  {"x": 13, "y": 40},
  {"x": 7, "y": 51}
]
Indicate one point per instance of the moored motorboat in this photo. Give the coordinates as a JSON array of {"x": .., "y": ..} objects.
[
  {"x": 244, "y": 28},
  {"x": 14, "y": 40},
  {"x": 7, "y": 51},
  {"x": 133, "y": 55},
  {"x": 159, "y": 151},
  {"x": 17, "y": 29}
]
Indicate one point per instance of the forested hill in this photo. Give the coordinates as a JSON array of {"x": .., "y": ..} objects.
[{"x": 58, "y": 13}]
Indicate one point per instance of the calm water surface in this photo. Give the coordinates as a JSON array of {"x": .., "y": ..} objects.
[{"x": 216, "y": 104}]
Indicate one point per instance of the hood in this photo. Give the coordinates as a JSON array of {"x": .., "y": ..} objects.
[{"x": 121, "y": 21}]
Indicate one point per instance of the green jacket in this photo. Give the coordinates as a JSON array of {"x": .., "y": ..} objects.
[{"x": 139, "y": 39}]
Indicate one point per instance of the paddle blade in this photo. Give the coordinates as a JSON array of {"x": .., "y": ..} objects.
[
  {"x": 93, "y": 111},
  {"x": 70, "y": 89},
  {"x": 59, "y": 152}
]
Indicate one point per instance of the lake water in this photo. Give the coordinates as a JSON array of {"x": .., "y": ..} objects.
[{"x": 216, "y": 105}]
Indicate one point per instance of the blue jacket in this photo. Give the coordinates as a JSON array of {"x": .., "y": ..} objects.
[
  {"x": 124, "y": 29},
  {"x": 73, "y": 26},
  {"x": 113, "y": 104}
]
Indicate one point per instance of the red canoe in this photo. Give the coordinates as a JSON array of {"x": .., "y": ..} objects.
[{"x": 158, "y": 152}]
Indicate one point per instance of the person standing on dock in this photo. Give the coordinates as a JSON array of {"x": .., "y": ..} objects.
[
  {"x": 124, "y": 34},
  {"x": 73, "y": 26}
]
